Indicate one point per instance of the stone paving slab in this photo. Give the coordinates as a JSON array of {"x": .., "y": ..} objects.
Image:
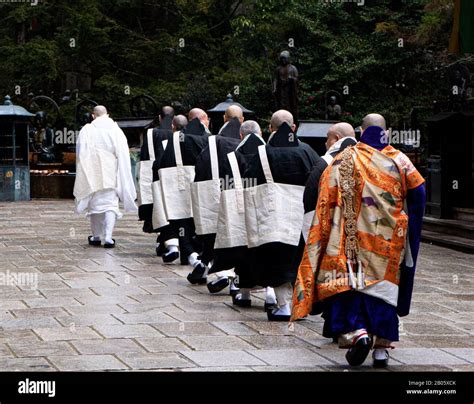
[
  {"x": 26, "y": 364},
  {"x": 190, "y": 328},
  {"x": 66, "y": 333},
  {"x": 163, "y": 344},
  {"x": 426, "y": 356},
  {"x": 234, "y": 328},
  {"x": 123, "y": 309},
  {"x": 87, "y": 363},
  {"x": 290, "y": 357},
  {"x": 107, "y": 346},
  {"x": 222, "y": 358},
  {"x": 148, "y": 317},
  {"x": 217, "y": 343},
  {"x": 126, "y": 331},
  {"x": 88, "y": 319},
  {"x": 5, "y": 351},
  {"x": 55, "y": 348},
  {"x": 151, "y": 361}
]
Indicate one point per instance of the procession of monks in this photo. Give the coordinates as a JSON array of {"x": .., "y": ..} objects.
[{"x": 336, "y": 235}]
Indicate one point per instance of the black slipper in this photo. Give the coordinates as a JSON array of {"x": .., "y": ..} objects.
[
  {"x": 381, "y": 363},
  {"x": 160, "y": 250},
  {"x": 197, "y": 276},
  {"x": 278, "y": 317},
  {"x": 110, "y": 245},
  {"x": 269, "y": 306},
  {"x": 357, "y": 354},
  {"x": 92, "y": 242},
  {"x": 238, "y": 301},
  {"x": 170, "y": 257},
  {"x": 218, "y": 285}
]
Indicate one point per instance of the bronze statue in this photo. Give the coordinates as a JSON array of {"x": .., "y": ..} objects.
[
  {"x": 333, "y": 109},
  {"x": 285, "y": 86},
  {"x": 41, "y": 139}
]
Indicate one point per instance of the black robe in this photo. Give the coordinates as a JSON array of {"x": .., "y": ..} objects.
[
  {"x": 291, "y": 162},
  {"x": 164, "y": 131},
  {"x": 239, "y": 258},
  {"x": 194, "y": 139},
  {"x": 226, "y": 142}
]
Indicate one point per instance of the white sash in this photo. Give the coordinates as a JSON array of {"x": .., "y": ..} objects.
[
  {"x": 273, "y": 212},
  {"x": 176, "y": 185},
  {"x": 159, "y": 214},
  {"x": 231, "y": 228},
  {"x": 206, "y": 195},
  {"x": 145, "y": 170}
]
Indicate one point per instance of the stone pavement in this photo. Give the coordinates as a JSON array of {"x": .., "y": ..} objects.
[{"x": 122, "y": 309}]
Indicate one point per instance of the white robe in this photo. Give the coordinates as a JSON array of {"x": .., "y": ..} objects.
[{"x": 103, "y": 175}]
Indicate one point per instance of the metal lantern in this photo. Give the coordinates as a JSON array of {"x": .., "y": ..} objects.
[
  {"x": 14, "y": 144},
  {"x": 217, "y": 113}
]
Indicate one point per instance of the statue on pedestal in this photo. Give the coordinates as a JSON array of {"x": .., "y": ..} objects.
[
  {"x": 285, "y": 85},
  {"x": 333, "y": 109},
  {"x": 41, "y": 139}
]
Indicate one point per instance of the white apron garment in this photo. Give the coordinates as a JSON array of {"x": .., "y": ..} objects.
[
  {"x": 96, "y": 167},
  {"x": 145, "y": 172},
  {"x": 273, "y": 212},
  {"x": 231, "y": 228},
  {"x": 159, "y": 214},
  {"x": 206, "y": 195},
  {"x": 176, "y": 186}
]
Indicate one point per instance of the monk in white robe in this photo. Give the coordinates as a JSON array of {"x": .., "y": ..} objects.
[{"x": 103, "y": 176}]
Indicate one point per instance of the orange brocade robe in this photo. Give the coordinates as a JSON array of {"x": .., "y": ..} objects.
[{"x": 382, "y": 179}]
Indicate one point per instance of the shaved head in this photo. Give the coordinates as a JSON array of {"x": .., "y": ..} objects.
[
  {"x": 337, "y": 132},
  {"x": 199, "y": 114},
  {"x": 249, "y": 127},
  {"x": 344, "y": 129},
  {"x": 99, "y": 110},
  {"x": 167, "y": 111},
  {"x": 374, "y": 120},
  {"x": 233, "y": 111},
  {"x": 179, "y": 122},
  {"x": 279, "y": 117}
]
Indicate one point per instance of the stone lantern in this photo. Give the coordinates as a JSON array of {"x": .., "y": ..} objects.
[{"x": 14, "y": 157}]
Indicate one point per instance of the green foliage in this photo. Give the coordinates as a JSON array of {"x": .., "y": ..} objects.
[{"x": 229, "y": 43}]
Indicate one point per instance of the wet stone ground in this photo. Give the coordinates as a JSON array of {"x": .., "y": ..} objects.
[{"x": 122, "y": 309}]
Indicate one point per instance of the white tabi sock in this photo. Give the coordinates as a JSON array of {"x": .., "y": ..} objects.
[
  {"x": 283, "y": 310},
  {"x": 97, "y": 225},
  {"x": 171, "y": 242},
  {"x": 380, "y": 354},
  {"x": 172, "y": 249},
  {"x": 109, "y": 224},
  {"x": 193, "y": 258},
  {"x": 270, "y": 297}
]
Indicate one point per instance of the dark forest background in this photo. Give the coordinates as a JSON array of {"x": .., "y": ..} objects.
[{"x": 192, "y": 53}]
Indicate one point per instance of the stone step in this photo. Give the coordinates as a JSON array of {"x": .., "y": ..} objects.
[
  {"x": 459, "y": 228},
  {"x": 447, "y": 240},
  {"x": 464, "y": 214}
]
